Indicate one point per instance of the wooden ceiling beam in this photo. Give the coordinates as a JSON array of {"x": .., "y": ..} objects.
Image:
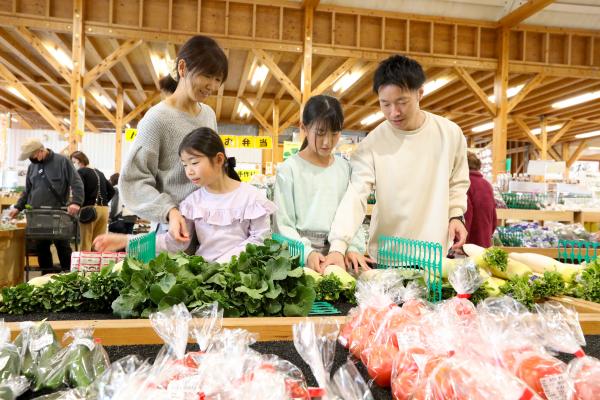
[
  {"x": 534, "y": 83},
  {"x": 267, "y": 60},
  {"x": 521, "y": 124},
  {"x": 263, "y": 86},
  {"x": 468, "y": 80},
  {"x": 257, "y": 115},
  {"x": 335, "y": 75},
  {"x": 110, "y": 61},
  {"x": 244, "y": 77},
  {"x": 220, "y": 92},
  {"x": 577, "y": 153},
  {"x": 362, "y": 72},
  {"x": 150, "y": 100},
  {"x": 541, "y": 103},
  {"x": 32, "y": 99},
  {"x": 148, "y": 61},
  {"x": 561, "y": 132},
  {"x": 523, "y": 12}
]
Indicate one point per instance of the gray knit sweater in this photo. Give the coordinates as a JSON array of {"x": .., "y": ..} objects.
[{"x": 152, "y": 178}]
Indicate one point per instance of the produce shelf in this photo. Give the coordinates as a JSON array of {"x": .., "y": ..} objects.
[
  {"x": 582, "y": 306},
  {"x": 504, "y": 214},
  {"x": 548, "y": 252}
]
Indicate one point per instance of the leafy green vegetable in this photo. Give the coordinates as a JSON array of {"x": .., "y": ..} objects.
[
  {"x": 331, "y": 288},
  {"x": 496, "y": 257},
  {"x": 529, "y": 290},
  {"x": 263, "y": 280},
  {"x": 587, "y": 284}
]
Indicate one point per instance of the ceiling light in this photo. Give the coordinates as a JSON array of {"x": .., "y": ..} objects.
[
  {"x": 67, "y": 121},
  {"x": 511, "y": 92},
  {"x": 577, "y": 100},
  {"x": 161, "y": 65},
  {"x": 549, "y": 128},
  {"x": 259, "y": 75},
  {"x": 13, "y": 119},
  {"x": 371, "y": 119},
  {"x": 588, "y": 135},
  {"x": 16, "y": 93},
  {"x": 128, "y": 126},
  {"x": 345, "y": 81},
  {"x": 59, "y": 55},
  {"x": 593, "y": 148},
  {"x": 483, "y": 127},
  {"x": 243, "y": 111},
  {"x": 434, "y": 85}
]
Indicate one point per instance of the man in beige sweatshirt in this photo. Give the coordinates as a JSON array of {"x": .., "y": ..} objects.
[{"x": 417, "y": 162}]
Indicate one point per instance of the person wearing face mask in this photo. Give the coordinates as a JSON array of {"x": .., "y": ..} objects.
[
  {"x": 417, "y": 161},
  {"x": 153, "y": 181},
  {"x": 50, "y": 179},
  {"x": 98, "y": 192}
]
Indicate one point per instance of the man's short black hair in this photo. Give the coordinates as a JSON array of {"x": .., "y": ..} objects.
[{"x": 400, "y": 71}]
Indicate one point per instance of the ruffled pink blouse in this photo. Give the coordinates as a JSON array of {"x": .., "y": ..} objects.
[{"x": 224, "y": 223}]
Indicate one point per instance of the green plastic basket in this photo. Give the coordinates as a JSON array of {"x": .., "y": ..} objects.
[
  {"x": 295, "y": 247},
  {"x": 577, "y": 251},
  {"x": 323, "y": 308},
  {"x": 524, "y": 201},
  {"x": 413, "y": 255},
  {"x": 510, "y": 237},
  {"x": 143, "y": 247}
]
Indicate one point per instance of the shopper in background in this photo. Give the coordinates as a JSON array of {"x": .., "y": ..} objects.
[
  {"x": 120, "y": 219},
  {"x": 223, "y": 214},
  {"x": 93, "y": 217},
  {"x": 311, "y": 184},
  {"x": 480, "y": 217},
  {"x": 153, "y": 181},
  {"x": 417, "y": 161},
  {"x": 50, "y": 180}
]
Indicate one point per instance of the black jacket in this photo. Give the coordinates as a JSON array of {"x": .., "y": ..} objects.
[
  {"x": 62, "y": 176},
  {"x": 90, "y": 184}
]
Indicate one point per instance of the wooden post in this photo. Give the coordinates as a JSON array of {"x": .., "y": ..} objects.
[
  {"x": 544, "y": 138},
  {"x": 565, "y": 157},
  {"x": 499, "y": 138},
  {"x": 77, "y": 114},
  {"x": 306, "y": 76},
  {"x": 4, "y": 125},
  {"x": 119, "y": 130},
  {"x": 275, "y": 133}
]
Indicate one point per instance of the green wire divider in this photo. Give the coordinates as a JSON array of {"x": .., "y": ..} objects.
[
  {"x": 323, "y": 308},
  {"x": 413, "y": 255},
  {"x": 525, "y": 201},
  {"x": 143, "y": 247},
  {"x": 577, "y": 251},
  {"x": 295, "y": 247},
  {"x": 510, "y": 237}
]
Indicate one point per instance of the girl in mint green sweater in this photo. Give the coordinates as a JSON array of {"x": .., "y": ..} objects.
[{"x": 311, "y": 184}]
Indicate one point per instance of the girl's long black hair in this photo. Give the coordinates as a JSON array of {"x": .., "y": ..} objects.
[
  {"x": 323, "y": 112},
  {"x": 207, "y": 142}
]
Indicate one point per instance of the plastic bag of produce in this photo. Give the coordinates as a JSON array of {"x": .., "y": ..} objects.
[
  {"x": 10, "y": 360},
  {"x": 12, "y": 388},
  {"x": 349, "y": 383},
  {"x": 583, "y": 377},
  {"x": 465, "y": 279},
  {"x": 37, "y": 344},
  {"x": 76, "y": 365},
  {"x": 206, "y": 322}
]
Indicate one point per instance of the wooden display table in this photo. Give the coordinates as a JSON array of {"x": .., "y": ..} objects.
[
  {"x": 7, "y": 201},
  {"x": 504, "y": 214},
  {"x": 12, "y": 257},
  {"x": 548, "y": 252},
  {"x": 587, "y": 216},
  {"x": 117, "y": 332},
  {"x": 582, "y": 306}
]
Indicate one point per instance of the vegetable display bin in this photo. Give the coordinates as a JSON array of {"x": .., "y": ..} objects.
[
  {"x": 295, "y": 247},
  {"x": 12, "y": 257},
  {"x": 577, "y": 251},
  {"x": 143, "y": 247},
  {"x": 410, "y": 254}
]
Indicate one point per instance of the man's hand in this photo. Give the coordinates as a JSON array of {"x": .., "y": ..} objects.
[
  {"x": 73, "y": 209},
  {"x": 177, "y": 226},
  {"x": 458, "y": 233},
  {"x": 110, "y": 242},
  {"x": 12, "y": 214},
  {"x": 315, "y": 259},
  {"x": 334, "y": 258},
  {"x": 356, "y": 261}
]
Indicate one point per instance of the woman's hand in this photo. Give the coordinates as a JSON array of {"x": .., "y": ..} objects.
[
  {"x": 315, "y": 261},
  {"x": 334, "y": 258},
  {"x": 110, "y": 242},
  {"x": 357, "y": 262},
  {"x": 177, "y": 226}
]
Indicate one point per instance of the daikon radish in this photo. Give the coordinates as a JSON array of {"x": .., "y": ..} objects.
[
  {"x": 448, "y": 266},
  {"x": 473, "y": 251},
  {"x": 493, "y": 285},
  {"x": 540, "y": 263},
  {"x": 513, "y": 268}
]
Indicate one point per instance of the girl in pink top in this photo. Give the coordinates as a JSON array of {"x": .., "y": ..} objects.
[{"x": 224, "y": 214}]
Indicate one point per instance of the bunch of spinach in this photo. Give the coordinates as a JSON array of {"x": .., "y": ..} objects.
[{"x": 263, "y": 280}]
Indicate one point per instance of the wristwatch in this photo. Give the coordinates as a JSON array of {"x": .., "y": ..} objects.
[{"x": 460, "y": 218}]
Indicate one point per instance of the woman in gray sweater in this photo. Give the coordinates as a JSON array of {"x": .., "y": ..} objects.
[{"x": 153, "y": 182}]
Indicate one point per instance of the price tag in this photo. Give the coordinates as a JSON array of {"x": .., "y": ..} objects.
[
  {"x": 89, "y": 343},
  {"x": 41, "y": 342},
  {"x": 130, "y": 134},
  {"x": 555, "y": 387}
]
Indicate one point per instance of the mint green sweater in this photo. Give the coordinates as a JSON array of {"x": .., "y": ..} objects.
[{"x": 307, "y": 197}]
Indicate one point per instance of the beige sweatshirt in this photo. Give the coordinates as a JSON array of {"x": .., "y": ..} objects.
[{"x": 421, "y": 180}]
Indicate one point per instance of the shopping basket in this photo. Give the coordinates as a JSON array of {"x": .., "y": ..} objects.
[
  {"x": 577, "y": 251},
  {"x": 413, "y": 255},
  {"x": 142, "y": 247},
  {"x": 295, "y": 247}
]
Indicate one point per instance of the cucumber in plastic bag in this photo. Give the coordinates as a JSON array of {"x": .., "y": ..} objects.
[
  {"x": 37, "y": 345},
  {"x": 10, "y": 360}
]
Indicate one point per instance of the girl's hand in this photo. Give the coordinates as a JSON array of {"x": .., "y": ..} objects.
[
  {"x": 177, "y": 226},
  {"x": 315, "y": 259},
  {"x": 110, "y": 242},
  {"x": 357, "y": 261},
  {"x": 334, "y": 258}
]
